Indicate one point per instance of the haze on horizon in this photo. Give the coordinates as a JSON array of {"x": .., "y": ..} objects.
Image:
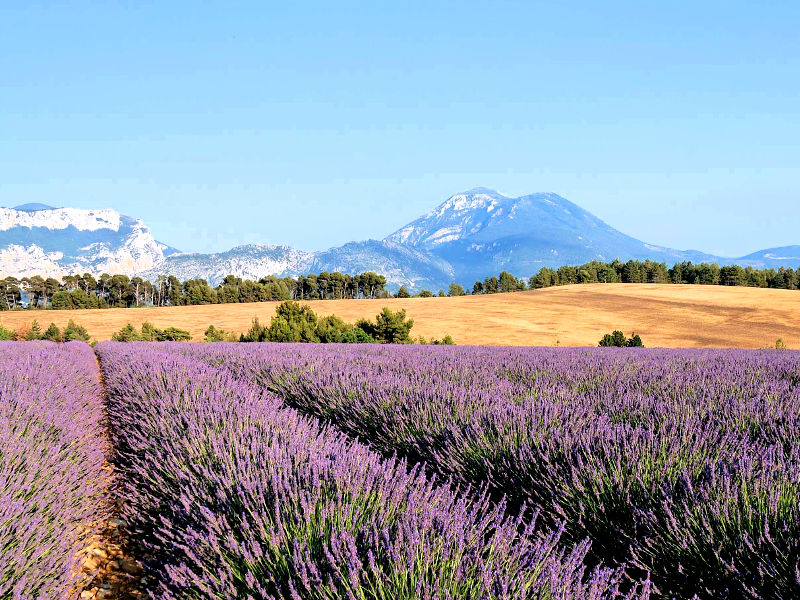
[{"x": 316, "y": 125}]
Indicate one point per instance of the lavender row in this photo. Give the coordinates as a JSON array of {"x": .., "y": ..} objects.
[
  {"x": 234, "y": 496},
  {"x": 683, "y": 464},
  {"x": 52, "y": 451}
]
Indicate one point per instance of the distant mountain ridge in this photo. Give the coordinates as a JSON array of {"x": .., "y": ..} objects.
[
  {"x": 36, "y": 239},
  {"x": 482, "y": 231},
  {"x": 471, "y": 235}
]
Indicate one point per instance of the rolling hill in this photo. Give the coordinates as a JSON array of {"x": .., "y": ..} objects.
[{"x": 664, "y": 315}]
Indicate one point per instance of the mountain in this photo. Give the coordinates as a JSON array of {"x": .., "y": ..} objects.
[
  {"x": 482, "y": 231},
  {"x": 36, "y": 239},
  {"x": 400, "y": 264},
  {"x": 251, "y": 261},
  {"x": 469, "y": 236},
  {"x": 785, "y": 256}
]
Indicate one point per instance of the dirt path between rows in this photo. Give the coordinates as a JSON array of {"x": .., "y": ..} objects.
[{"x": 107, "y": 568}]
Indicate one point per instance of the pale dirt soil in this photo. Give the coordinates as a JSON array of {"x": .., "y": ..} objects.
[{"x": 577, "y": 315}]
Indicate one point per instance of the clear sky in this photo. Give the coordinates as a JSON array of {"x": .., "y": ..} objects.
[{"x": 316, "y": 123}]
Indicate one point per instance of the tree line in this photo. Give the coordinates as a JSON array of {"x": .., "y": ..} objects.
[
  {"x": 635, "y": 271},
  {"x": 121, "y": 291}
]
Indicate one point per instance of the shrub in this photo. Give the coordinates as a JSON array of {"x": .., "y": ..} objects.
[
  {"x": 52, "y": 333},
  {"x": 172, "y": 334},
  {"x": 149, "y": 333},
  {"x": 392, "y": 327},
  {"x": 256, "y": 333},
  {"x": 7, "y": 334},
  {"x": 126, "y": 334},
  {"x": 74, "y": 332},
  {"x": 213, "y": 334},
  {"x": 35, "y": 332},
  {"x": 618, "y": 340}
]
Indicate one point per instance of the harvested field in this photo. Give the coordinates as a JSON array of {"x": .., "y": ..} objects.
[{"x": 664, "y": 315}]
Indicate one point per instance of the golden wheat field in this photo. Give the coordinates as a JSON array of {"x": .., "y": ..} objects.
[{"x": 578, "y": 315}]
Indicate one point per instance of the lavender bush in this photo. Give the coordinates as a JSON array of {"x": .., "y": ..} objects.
[
  {"x": 234, "y": 496},
  {"x": 51, "y": 465},
  {"x": 679, "y": 463}
]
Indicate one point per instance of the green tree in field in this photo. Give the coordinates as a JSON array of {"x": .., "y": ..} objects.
[
  {"x": 293, "y": 322},
  {"x": 635, "y": 341},
  {"x": 333, "y": 330},
  {"x": 52, "y": 333},
  {"x": 35, "y": 332},
  {"x": 455, "y": 290},
  {"x": 392, "y": 327},
  {"x": 618, "y": 340},
  {"x": 172, "y": 334},
  {"x": 402, "y": 293},
  {"x": 212, "y": 334},
  {"x": 127, "y": 334},
  {"x": 256, "y": 333},
  {"x": 74, "y": 332},
  {"x": 7, "y": 334},
  {"x": 149, "y": 333},
  {"x": 509, "y": 283},
  {"x": 425, "y": 294},
  {"x": 357, "y": 336}
]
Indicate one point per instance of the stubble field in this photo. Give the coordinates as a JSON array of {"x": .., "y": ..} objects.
[{"x": 671, "y": 316}]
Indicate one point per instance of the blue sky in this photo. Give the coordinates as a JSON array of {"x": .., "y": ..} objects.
[{"x": 316, "y": 123}]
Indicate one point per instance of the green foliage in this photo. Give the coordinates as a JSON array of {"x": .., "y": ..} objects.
[
  {"x": 618, "y": 340},
  {"x": 455, "y": 290},
  {"x": 172, "y": 334},
  {"x": 392, "y": 327},
  {"x": 74, "y": 332},
  {"x": 356, "y": 335},
  {"x": 402, "y": 293},
  {"x": 508, "y": 283},
  {"x": 780, "y": 344},
  {"x": 293, "y": 322},
  {"x": 425, "y": 294},
  {"x": 52, "y": 333},
  {"x": 212, "y": 334},
  {"x": 35, "y": 332},
  {"x": 149, "y": 333},
  {"x": 332, "y": 330},
  {"x": 256, "y": 333},
  {"x": 7, "y": 335},
  {"x": 445, "y": 341},
  {"x": 127, "y": 334}
]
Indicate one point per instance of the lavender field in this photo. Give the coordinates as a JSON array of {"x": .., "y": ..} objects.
[
  {"x": 52, "y": 450},
  {"x": 279, "y": 471}
]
